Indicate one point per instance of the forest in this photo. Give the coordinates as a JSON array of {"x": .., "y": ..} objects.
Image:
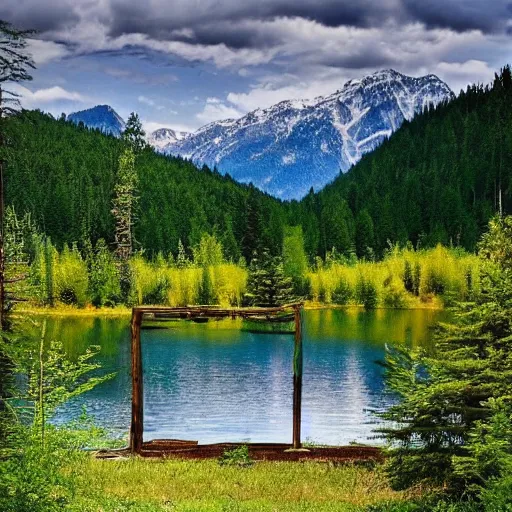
[{"x": 438, "y": 179}]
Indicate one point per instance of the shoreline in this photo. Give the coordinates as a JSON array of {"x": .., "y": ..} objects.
[{"x": 124, "y": 311}]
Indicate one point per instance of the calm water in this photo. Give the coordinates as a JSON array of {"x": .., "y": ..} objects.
[{"x": 212, "y": 382}]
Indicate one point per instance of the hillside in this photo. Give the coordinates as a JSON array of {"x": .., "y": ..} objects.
[
  {"x": 439, "y": 178},
  {"x": 64, "y": 175}
]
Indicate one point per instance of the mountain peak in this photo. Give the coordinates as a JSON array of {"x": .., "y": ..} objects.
[
  {"x": 100, "y": 117},
  {"x": 294, "y": 145},
  {"x": 164, "y": 136}
]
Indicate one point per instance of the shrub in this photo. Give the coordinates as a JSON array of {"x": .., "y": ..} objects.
[
  {"x": 394, "y": 295},
  {"x": 366, "y": 293},
  {"x": 71, "y": 278},
  {"x": 236, "y": 457},
  {"x": 343, "y": 293}
]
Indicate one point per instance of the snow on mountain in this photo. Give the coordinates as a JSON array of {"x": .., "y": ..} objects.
[
  {"x": 162, "y": 137},
  {"x": 295, "y": 145},
  {"x": 101, "y": 117}
]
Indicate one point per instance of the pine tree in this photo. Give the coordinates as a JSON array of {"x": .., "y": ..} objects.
[
  {"x": 181, "y": 260},
  {"x": 364, "y": 234},
  {"x": 206, "y": 292},
  {"x": 267, "y": 284},
  {"x": 134, "y": 135},
  {"x": 15, "y": 65},
  {"x": 408, "y": 277},
  {"x": 443, "y": 395},
  {"x": 123, "y": 204}
]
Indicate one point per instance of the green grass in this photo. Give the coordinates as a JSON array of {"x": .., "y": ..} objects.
[{"x": 197, "y": 486}]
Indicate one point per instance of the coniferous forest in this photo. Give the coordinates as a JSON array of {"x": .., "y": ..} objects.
[{"x": 439, "y": 179}]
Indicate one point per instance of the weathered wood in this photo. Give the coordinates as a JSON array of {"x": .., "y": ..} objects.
[
  {"x": 137, "y": 426},
  {"x": 140, "y": 313},
  {"x": 297, "y": 377}
]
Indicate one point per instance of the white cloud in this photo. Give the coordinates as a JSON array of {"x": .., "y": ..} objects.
[
  {"x": 43, "y": 97},
  {"x": 217, "y": 111},
  {"x": 146, "y": 101},
  {"x": 45, "y": 51},
  {"x": 461, "y": 74}
]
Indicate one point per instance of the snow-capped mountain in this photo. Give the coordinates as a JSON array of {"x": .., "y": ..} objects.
[
  {"x": 295, "y": 145},
  {"x": 162, "y": 137},
  {"x": 101, "y": 117}
]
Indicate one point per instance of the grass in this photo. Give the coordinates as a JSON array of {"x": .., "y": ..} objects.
[{"x": 178, "y": 485}]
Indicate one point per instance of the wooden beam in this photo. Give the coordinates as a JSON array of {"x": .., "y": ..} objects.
[
  {"x": 137, "y": 426},
  {"x": 297, "y": 377}
]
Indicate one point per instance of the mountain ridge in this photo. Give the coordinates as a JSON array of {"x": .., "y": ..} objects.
[
  {"x": 298, "y": 144},
  {"x": 101, "y": 117}
]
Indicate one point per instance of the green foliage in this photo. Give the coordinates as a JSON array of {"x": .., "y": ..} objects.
[
  {"x": 366, "y": 293},
  {"x": 206, "y": 293},
  {"x": 238, "y": 456},
  {"x": 364, "y": 235},
  {"x": 295, "y": 263},
  {"x": 123, "y": 204},
  {"x": 33, "y": 477},
  {"x": 343, "y": 292},
  {"x": 104, "y": 279},
  {"x": 208, "y": 252},
  {"x": 134, "y": 135},
  {"x": 267, "y": 284},
  {"x": 71, "y": 277},
  {"x": 446, "y": 398}
]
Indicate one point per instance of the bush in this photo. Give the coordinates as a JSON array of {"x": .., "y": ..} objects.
[
  {"x": 394, "y": 295},
  {"x": 498, "y": 496},
  {"x": 71, "y": 278},
  {"x": 343, "y": 293},
  {"x": 366, "y": 293},
  {"x": 236, "y": 457},
  {"x": 33, "y": 477}
]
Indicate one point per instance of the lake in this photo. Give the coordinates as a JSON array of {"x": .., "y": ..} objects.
[{"x": 213, "y": 382}]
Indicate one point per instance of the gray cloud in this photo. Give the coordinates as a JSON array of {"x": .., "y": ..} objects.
[
  {"x": 39, "y": 16},
  {"x": 300, "y": 37},
  {"x": 489, "y": 16}
]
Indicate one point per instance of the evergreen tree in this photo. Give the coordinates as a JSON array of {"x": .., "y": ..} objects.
[
  {"x": 267, "y": 284},
  {"x": 253, "y": 236},
  {"x": 123, "y": 204},
  {"x": 134, "y": 135},
  {"x": 181, "y": 260},
  {"x": 104, "y": 287},
  {"x": 364, "y": 234},
  {"x": 444, "y": 395},
  {"x": 15, "y": 66},
  {"x": 408, "y": 277},
  {"x": 206, "y": 292}
]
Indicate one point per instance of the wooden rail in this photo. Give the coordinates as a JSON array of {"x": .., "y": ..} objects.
[{"x": 139, "y": 313}]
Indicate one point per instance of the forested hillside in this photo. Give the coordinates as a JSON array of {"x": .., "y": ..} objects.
[
  {"x": 64, "y": 175},
  {"x": 439, "y": 178}
]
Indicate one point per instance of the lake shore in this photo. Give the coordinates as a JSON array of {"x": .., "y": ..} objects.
[{"x": 124, "y": 311}]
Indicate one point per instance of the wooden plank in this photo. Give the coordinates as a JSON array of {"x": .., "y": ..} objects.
[
  {"x": 297, "y": 378},
  {"x": 137, "y": 426}
]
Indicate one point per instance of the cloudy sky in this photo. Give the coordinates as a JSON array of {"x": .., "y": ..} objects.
[{"x": 184, "y": 63}]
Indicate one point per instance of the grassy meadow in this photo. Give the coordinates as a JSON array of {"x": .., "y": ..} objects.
[{"x": 206, "y": 486}]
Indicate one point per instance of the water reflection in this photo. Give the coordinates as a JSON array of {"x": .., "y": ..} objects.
[{"x": 212, "y": 382}]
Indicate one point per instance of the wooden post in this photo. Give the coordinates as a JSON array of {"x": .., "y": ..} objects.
[
  {"x": 297, "y": 377},
  {"x": 137, "y": 426}
]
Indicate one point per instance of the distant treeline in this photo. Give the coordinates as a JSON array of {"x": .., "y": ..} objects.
[{"x": 438, "y": 179}]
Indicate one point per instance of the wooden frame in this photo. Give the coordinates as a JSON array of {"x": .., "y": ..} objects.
[{"x": 198, "y": 312}]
